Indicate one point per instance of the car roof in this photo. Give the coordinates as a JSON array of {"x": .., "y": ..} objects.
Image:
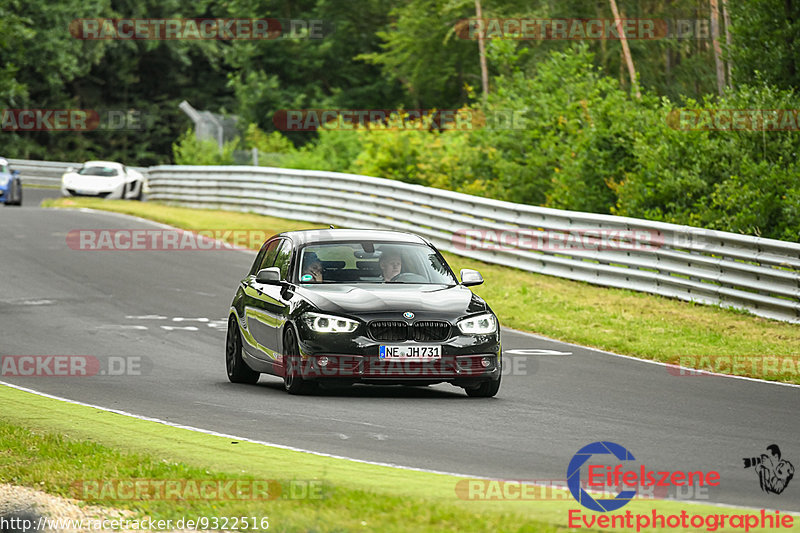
[
  {"x": 338, "y": 235},
  {"x": 102, "y": 164},
  {"x": 3, "y": 161}
]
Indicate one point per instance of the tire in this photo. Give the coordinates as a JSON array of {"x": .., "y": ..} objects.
[
  {"x": 15, "y": 194},
  {"x": 238, "y": 371},
  {"x": 293, "y": 381},
  {"x": 140, "y": 194},
  {"x": 487, "y": 389}
]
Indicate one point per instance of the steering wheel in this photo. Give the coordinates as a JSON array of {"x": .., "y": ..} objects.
[{"x": 408, "y": 277}]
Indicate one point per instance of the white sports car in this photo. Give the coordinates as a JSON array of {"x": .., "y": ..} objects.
[{"x": 103, "y": 179}]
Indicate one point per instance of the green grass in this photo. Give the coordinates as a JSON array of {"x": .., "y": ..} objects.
[
  {"x": 52, "y": 445},
  {"x": 626, "y": 322}
]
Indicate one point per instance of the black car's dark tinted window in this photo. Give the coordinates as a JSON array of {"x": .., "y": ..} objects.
[
  {"x": 269, "y": 255},
  {"x": 366, "y": 262},
  {"x": 259, "y": 259},
  {"x": 283, "y": 258}
]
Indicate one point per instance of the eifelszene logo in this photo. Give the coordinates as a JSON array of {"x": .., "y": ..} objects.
[
  {"x": 602, "y": 477},
  {"x": 774, "y": 473}
]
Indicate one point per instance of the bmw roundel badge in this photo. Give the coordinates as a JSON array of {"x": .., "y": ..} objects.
[{"x": 408, "y": 314}]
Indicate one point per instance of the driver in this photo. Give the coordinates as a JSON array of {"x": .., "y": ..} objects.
[
  {"x": 312, "y": 268},
  {"x": 391, "y": 264}
]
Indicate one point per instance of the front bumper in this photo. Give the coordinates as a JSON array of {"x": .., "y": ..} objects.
[
  {"x": 114, "y": 193},
  {"x": 466, "y": 360}
]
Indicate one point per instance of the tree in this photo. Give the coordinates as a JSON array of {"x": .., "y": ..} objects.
[{"x": 766, "y": 42}]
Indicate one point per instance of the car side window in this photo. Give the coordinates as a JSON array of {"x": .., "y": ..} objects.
[
  {"x": 259, "y": 259},
  {"x": 265, "y": 257},
  {"x": 283, "y": 258}
]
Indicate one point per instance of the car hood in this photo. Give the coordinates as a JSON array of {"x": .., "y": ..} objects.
[
  {"x": 92, "y": 182},
  {"x": 425, "y": 301}
]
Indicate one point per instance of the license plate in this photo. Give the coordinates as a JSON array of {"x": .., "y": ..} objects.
[{"x": 419, "y": 353}]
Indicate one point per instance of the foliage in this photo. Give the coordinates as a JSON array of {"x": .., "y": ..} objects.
[
  {"x": 562, "y": 129},
  {"x": 272, "y": 142},
  {"x": 766, "y": 42},
  {"x": 741, "y": 181},
  {"x": 563, "y": 135},
  {"x": 191, "y": 151}
]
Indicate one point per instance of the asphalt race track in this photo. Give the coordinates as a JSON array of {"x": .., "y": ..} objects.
[
  {"x": 167, "y": 310},
  {"x": 33, "y": 196}
]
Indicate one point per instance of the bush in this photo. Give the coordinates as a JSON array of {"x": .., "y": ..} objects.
[
  {"x": 579, "y": 142},
  {"x": 191, "y": 151},
  {"x": 333, "y": 150},
  {"x": 740, "y": 181}
]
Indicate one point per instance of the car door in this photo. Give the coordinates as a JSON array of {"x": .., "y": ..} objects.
[
  {"x": 279, "y": 304},
  {"x": 256, "y": 331},
  {"x": 265, "y": 308}
]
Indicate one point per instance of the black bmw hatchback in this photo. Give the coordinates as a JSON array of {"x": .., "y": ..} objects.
[{"x": 359, "y": 306}]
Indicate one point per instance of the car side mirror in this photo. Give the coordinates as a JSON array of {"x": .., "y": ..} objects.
[
  {"x": 269, "y": 276},
  {"x": 470, "y": 277},
  {"x": 15, "y": 173}
]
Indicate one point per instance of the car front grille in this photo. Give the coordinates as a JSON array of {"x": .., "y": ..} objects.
[
  {"x": 431, "y": 330},
  {"x": 73, "y": 192},
  {"x": 397, "y": 330},
  {"x": 388, "y": 330}
]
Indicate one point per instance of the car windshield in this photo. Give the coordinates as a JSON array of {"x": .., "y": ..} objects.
[
  {"x": 98, "y": 171},
  {"x": 373, "y": 262},
  {"x": 3, "y": 168}
]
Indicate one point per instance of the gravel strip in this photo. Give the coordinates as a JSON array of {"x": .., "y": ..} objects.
[{"x": 28, "y": 503}]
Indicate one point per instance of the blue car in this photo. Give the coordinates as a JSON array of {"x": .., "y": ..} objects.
[{"x": 10, "y": 185}]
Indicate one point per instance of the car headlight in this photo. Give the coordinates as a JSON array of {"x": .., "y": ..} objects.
[
  {"x": 478, "y": 325},
  {"x": 329, "y": 323}
]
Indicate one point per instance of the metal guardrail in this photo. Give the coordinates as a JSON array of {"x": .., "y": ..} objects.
[
  {"x": 47, "y": 172},
  {"x": 40, "y": 172},
  {"x": 693, "y": 264}
]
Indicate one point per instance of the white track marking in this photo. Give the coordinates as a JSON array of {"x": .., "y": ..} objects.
[
  {"x": 659, "y": 363},
  {"x": 311, "y": 452},
  {"x": 534, "y": 351}
]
